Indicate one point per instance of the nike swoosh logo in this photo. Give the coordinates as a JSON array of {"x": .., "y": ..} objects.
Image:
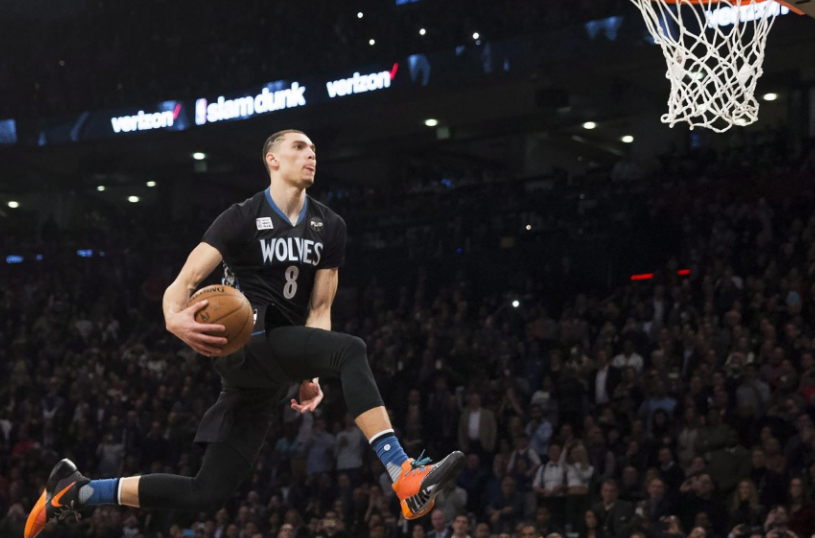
[{"x": 55, "y": 501}]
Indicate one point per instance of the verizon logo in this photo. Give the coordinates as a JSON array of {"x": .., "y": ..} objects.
[
  {"x": 361, "y": 83},
  {"x": 145, "y": 121}
]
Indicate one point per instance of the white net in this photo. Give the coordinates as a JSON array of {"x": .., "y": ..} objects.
[{"x": 714, "y": 50}]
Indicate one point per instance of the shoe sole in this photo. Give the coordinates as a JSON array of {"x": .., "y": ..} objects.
[
  {"x": 36, "y": 519},
  {"x": 447, "y": 472}
]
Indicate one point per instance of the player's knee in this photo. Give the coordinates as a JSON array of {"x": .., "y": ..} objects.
[{"x": 356, "y": 349}]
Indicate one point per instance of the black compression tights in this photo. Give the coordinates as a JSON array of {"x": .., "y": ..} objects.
[
  {"x": 222, "y": 471},
  {"x": 306, "y": 352}
]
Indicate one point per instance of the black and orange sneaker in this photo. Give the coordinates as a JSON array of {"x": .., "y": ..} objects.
[
  {"x": 420, "y": 482},
  {"x": 59, "y": 500}
]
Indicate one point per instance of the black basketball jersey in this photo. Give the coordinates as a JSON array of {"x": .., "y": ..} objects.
[{"x": 272, "y": 260}]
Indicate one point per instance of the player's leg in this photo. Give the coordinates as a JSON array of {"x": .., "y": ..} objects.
[
  {"x": 67, "y": 491},
  {"x": 305, "y": 352}
]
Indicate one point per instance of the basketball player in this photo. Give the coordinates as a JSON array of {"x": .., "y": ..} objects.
[{"x": 282, "y": 249}]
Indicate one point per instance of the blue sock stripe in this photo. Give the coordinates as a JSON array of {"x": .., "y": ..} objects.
[
  {"x": 389, "y": 450},
  {"x": 104, "y": 492}
]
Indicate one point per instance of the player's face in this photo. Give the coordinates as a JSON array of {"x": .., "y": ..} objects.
[{"x": 295, "y": 160}]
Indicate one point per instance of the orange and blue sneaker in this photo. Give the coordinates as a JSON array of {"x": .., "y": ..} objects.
[
  {"x": 420, "y": 481},
  {"x": 59, "y": 500}
]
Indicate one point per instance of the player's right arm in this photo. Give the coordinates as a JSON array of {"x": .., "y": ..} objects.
[{"x": 178, "y": 317}]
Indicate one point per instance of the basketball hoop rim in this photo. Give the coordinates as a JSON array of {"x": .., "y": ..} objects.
[{"x": 739, "y": 2}]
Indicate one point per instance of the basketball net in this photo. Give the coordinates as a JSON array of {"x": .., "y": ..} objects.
[{"x": 713, "y": 67}]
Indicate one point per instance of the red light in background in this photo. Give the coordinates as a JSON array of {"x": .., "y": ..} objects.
[{"x": 649, "y": 276}]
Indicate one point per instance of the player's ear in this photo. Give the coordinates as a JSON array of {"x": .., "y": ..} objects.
[{"x": 271, "y": 161}]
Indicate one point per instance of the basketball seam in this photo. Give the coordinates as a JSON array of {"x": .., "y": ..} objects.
[{"x": 230, "y": 312}]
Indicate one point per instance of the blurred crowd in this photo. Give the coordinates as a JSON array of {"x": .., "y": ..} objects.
[
  {"x": 106, "y": 54},
  {"x": 671, "y": 407}
]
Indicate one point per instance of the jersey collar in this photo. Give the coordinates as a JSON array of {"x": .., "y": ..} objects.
[{"x": 280, "y": 212}]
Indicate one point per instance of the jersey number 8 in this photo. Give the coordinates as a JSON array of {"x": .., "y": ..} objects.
[{"x": 292, "y": 272}]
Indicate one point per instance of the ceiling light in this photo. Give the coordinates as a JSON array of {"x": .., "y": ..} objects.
[
  {"x": 528, "y": 227},
  {"x": 627, "y": 139},
  {"x": 589, "y": 125},
  {"x": 14, "y": 205},
  {"x": 101, "y": 188},
  {"x": 133, "y": 199},
  {"x": 422, "y": 31},
  {"x": 359, "y": 15},
  {"x": 476, "y": 35},
  {"x": 151, "y": 183},
  {"x": 770, "y": 96},
  {"x": 198, "y": 156},
  {"x": 430, "y": 122},
  {"x": 372, "y": 42},
  {"x": 516, "y": 303}
]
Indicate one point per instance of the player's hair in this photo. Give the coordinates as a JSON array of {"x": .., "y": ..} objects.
[{"x": 272, "y": 141}]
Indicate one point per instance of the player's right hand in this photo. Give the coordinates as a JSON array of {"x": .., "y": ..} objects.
[{"x": 199, "y": 336}]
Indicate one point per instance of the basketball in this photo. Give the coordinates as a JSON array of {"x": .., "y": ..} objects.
[{"x": 228, "y": 307}]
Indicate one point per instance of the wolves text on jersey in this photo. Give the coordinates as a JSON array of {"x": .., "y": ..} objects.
[{"x": 291, "y": 249}]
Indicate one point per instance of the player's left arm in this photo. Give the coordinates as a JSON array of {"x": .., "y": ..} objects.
[
  {"x": 319, "y": 317},
  {"x": 322, "y": 296}
]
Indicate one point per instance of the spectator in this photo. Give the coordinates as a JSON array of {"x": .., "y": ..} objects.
[
  {"x": 800, "y": 509},
  {"x": 591, "y": 525},
  {"x": 729, "y": 464},
  {"x": 110, "y": 457},
  {"x": 452, "y": 500},
  {"x": 579, "y": 479},
  {"x": 543, "y": 521},
  {"x": 753, "y": 394},
  {"x": 482, "y": 530},
  {"x": 477, "y": 429},
  {"x": 508, "y": 509},
  {"x": 744, "y": 506},
  {"x": 539, "y": 430},
  {"x": 671, "y": 472},
  {"x": 615, "y": 515},
  {"x": 319, "y": 447},
  {"x": 461, "y": 527},
  {"x": 440, "y": 528},
  {"x": 523, "y": 451},
  {"x": 349, "y": 450},
  {"x": 699, "y": 498},
  {"x": 604, "y": 380},
  {"x": 658, "y": 399},
  {"x": 628, "y": 358},
  {"x": 550, "y": 482},
  {"x": 631, "y": 486},
  {"x": 657, "y": 504},
  {"x": 528, "y": 531},
  {"x": 473, "y": 480}
]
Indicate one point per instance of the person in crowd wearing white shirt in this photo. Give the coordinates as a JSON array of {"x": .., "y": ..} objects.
[
  {"x": 629, "y": 357},
  {"x": 550, "y": 482},
  {"x": 523, "y": 451},
  {"x": 452, "y": 500},
  {"x": 349, "y": 449},
  {"x": 477, "y": 429},
  {"x": 579, "y": 475}
]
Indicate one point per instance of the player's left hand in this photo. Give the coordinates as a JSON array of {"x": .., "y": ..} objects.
[{"x": 310, "y": 396}]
